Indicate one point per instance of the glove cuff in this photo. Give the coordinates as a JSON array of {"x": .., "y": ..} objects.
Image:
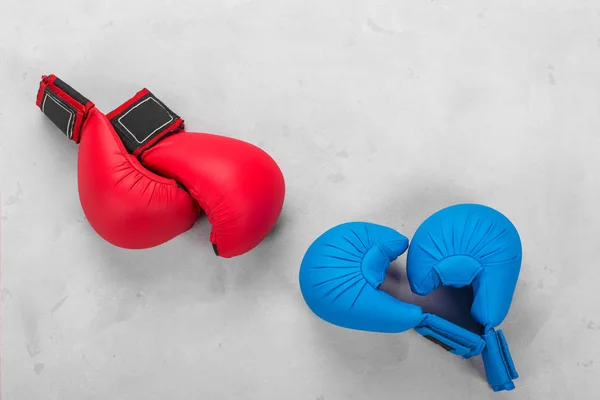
[
  {"x": 499, "y": 367},
  {"x": 142, "y": 121},
  {"x": 63, "y": 105},
  {"x": 450, "y": 336}
]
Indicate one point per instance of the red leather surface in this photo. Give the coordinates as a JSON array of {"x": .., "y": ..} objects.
[
  {"x": 238, "y": 185},
  {"x": 125, "y": 203}
]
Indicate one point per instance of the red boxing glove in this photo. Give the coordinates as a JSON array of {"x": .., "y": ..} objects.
[
  {"x": 126, "y": 204},
  {"x": 238, "y": 185}
]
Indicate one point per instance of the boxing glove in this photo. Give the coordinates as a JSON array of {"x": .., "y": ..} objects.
[
  {"x": 125, "y": 203},
  {"x": 142, "y": 142},
  {"x": 238, "y": 185},
  {"x": 471, "y": 244},
  {"x": 340, "y": 278}
]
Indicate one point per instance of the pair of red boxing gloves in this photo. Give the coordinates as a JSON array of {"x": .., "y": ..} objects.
[{"x": 143, "y": 180}]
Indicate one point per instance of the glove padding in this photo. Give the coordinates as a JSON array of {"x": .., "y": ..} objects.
[
  {"x": 143, "y": 181},
  {"x": 342, "y": 271},
  {"x": 471, "y": 244},
  {"x": 340, "y": 278},
  {"x": 237, "y": 184},
  {"x": 128, "y": 205}
]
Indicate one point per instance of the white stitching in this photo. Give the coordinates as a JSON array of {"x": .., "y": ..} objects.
[
  {"x": 69, "y": 127},
  {"x": 153, "y": 132}
]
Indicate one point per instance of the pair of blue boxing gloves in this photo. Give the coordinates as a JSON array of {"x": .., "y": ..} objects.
[{"x": 461, "y": 245}]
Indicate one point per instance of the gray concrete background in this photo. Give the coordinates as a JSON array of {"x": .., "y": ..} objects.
[{"x": 383, "y": 111}]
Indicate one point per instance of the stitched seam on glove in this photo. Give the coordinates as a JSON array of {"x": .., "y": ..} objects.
[
  {"x": 508, "y": 363},
  {"x": 383, "y": 270},
  {"x": 385, "y": 254},
  {"x": 141, "y": 169},
  {"x": 448, "y": 282},
  {"x": 487, "y": 303},
  {"x": 495, "y": 263},
  {"x": 462, "y": 341}
]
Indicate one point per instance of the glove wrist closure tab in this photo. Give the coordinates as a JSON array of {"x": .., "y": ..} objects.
[
  {"x": 142, "y": 121},
  {"x": 451, "y": 337},
  {"x": 499, "y": 367},
  {"x": 63, "y": 105}
]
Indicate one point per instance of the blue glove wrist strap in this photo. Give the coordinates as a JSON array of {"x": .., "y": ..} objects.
[
  {"x": 499, "y": 367},
  {"x": 452, "y": 337}
]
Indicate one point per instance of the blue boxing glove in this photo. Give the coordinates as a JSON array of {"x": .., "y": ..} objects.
[
  {"x": 340, "y": 277},
  {"x": 343, "y": 269},
  {"x": 470, "y": 244}
]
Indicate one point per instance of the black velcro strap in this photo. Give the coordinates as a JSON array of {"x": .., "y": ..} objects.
[
  {"x": 78, "y": 97},
  {"x": 143, "y": 120},
  {"x": 63, "y": 105},
  {"x": 61, "y": 113}
]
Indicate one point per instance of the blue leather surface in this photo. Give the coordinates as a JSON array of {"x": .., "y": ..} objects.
[
  {"x": 340, "y": 277},
  {"x": 459, "y": 340},
  {"x": 471, "y": 244},
  {"x": 499, "y": 367},
  {"x": 341, "y": 273},
  {"x": 466, "y": 244}
]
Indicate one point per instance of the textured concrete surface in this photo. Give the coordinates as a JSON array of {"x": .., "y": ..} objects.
[{"x": 384, "y": 111}]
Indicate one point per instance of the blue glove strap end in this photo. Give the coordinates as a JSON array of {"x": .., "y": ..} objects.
[
  {"x": 451, "y": 337},
  {"x": 499, "y": 367}
]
